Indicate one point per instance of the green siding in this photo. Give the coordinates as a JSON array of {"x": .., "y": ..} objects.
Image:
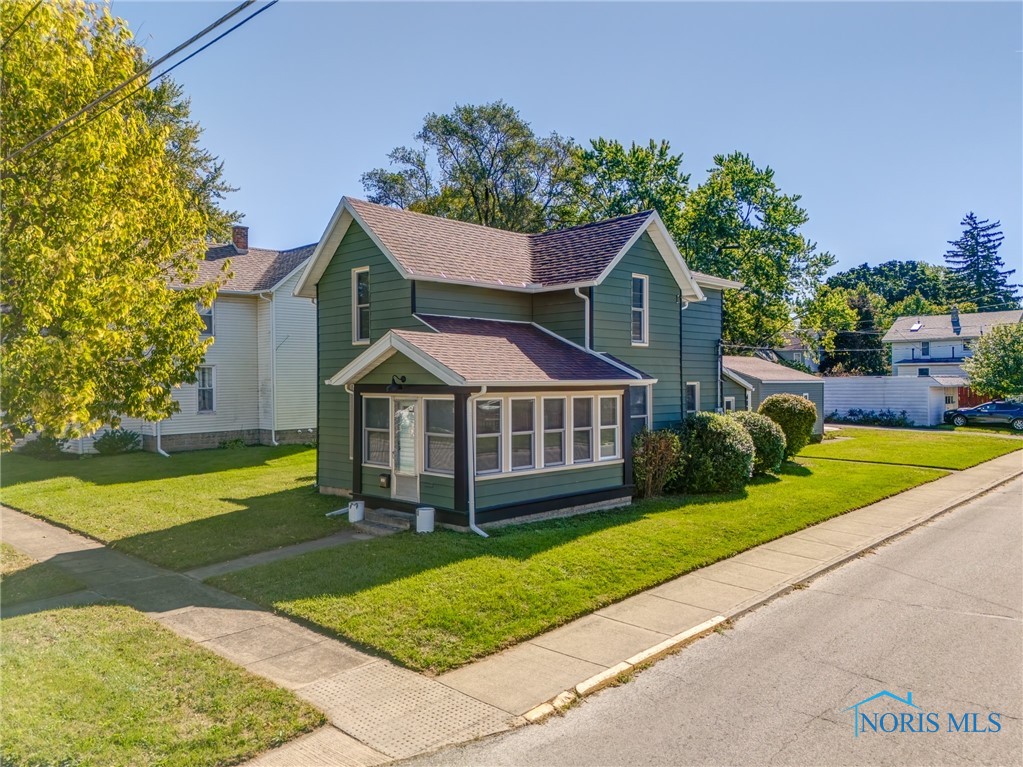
[
  {"x": 435, "y": 491},
  {"x": 561, "y": 312},
  {"x": 701, "y": 329},
  {"x": 612, "y": 323},
  {"x": 508, "y": 489},
  {"x": 732, "y": 389},
  {"x": 400, "y": 365},
  {"x": 468, "y": 301},
  {"x": 390, "y": 307}
]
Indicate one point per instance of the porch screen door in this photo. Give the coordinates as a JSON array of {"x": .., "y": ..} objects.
[{"x": 406, "y": 474}]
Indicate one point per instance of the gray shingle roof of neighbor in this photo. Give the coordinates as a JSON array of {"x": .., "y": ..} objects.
[
  {"x": 482, "y": 351},
  {"x": 766, "y": 372},
  {"x": 939, "y": 326},
  {"x": 254, "y": 270},
  {"x": 456, "y": 250}
]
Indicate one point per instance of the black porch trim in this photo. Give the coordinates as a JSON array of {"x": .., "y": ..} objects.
[
  {"x": 553, "y": 503},
  {"x": 626, "y": 432},
  {"x": 461, "y": 452},
  {"x": 357, "y": 437}
]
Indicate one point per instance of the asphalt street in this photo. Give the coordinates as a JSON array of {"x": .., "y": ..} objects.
[{"x": 936, "y": 613}]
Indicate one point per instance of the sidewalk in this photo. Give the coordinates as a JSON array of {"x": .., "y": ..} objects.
[{"x": 382, "y": 712}]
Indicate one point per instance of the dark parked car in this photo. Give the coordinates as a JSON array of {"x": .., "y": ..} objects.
[{"x": 994, "y": 413}]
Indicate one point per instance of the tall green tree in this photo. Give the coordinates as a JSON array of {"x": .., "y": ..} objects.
[
  {"x": 859, "y": 350},
  {"x": 977, "y": 269},
  {"x": 481, "y": 164},
  {"x": 897, "y": 280},
  {"x": 609, "y": 180},
  {"x": 996, "y": 367},
  {"x": 95, "y": 223},
  {"x": 738, "y": 224}
]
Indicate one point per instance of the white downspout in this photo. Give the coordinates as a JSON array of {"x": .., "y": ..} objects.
[
  {"x": 350, "y": 388},
  {"x": 273, "y": 367},
  {"x": 586, "y": 317},
  {"x": 159, "y": 447},
  {"x": 471, "y": 452}
]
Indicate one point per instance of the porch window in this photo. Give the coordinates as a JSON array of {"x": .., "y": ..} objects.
[
  {"x": 553, "y": 432},
  {"x": 204, "y": 388},
  {"x": 488, "y": 436},
  {"x": 640, "y": 317},
  {"x": 608, "y": 427},
  {"x": 692, "y": 396},
  {"x": 523, "y": 431},
  {"x": 206, "y": 315},
  {"x": 440, "y": 436},
  {"x": 582, "y": 429},
  {"x": 377, "y": 426},
  {"x": 360, "y": 305},
  {"x": 639, "y": 409}
]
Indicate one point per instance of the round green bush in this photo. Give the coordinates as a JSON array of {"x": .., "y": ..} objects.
[
  {"x": 655, "y": 460},
  {"x": 717, "y": 455},
  {"x": 768, "y": 440},
  {"x": 795, "y": 415}
]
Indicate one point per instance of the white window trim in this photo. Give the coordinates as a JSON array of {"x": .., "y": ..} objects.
[
  {"x": 502, "y": 460},
  {"x": 212, "y": 387},
  {"x": 617, "y": 426},
  {"x": 544, "y": 431},
  {"x": 425, "y": 469},
  {"x": 646, "y": 310},
  {"x": 806, "y": 395},
  {"x": 729, "y": 400},
  {"x": 697, "y": 398},
  {"x": 390, "y": 433},
  {"x": 508, "y": 452},
  {"x": 356, "y": 341},
  {"x": 550, "y": 469},
  {"x": 213, "y": 319}
]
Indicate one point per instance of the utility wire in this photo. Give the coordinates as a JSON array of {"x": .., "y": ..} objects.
[
  {"x": 113, "y": 91},
  {"x": 167, "y": 71},
  {"x": 20, "y": 25}
]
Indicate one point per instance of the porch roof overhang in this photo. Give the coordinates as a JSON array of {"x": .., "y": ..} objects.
[
  {"x": 474, "y": 352},
  {"x": 737, "y": 379}
]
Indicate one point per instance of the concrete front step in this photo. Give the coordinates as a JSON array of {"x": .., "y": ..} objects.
[{"x": 395, "y": 520}]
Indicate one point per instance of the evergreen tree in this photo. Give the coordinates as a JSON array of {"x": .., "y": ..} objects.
[{"x": 976, "y": 267}]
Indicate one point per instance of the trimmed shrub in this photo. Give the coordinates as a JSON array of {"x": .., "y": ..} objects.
[
  {"x": 717, "y": 455},
  {"x": 117, "y": 441},
  {"x": 768, "y": 440},
  {"x": 656, "y": 459},
  {"x": 45, "y": 448},
  {"x": 795, "y": 415}
]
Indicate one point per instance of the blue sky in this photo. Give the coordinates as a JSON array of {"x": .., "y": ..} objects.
[{"x": 891, "y": 120}]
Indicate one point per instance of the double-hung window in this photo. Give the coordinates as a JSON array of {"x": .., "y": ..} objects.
[
  {"x": 925, "y": 348},
  {"x": 377, "y": 426},
  {"x": 205, "y": 389},
  {"x": 582, "y": 429},
  {"x": 608, "y": 427},
  {"x": 440, "y": 436},
  {"x": 206, "y": 315},
  {"x": 639, "y": 409},
  {"x": 640, "y": 313},
  {"x": 360, "y": 305},
  {"x": 523, "y": 432},
  {"x": 692, "y": 396},
  {"x": 488, "y": 436},
  {"x": 553, "y": 432}
]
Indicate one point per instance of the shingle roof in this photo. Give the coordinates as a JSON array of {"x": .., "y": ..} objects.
[
  {"x": 482, "y": 351},
  {"x": 939, "y": 326},
  {"x": 766, "y": 372},
  {"x": 456, "y": 250},
  {"x": 254, "y": 270}
]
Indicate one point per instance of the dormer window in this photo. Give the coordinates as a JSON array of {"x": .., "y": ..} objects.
[
  {"x": 206, "y": 315},
  {"x": 360, "y": 305},
  {"x": 640, "y": 310}
]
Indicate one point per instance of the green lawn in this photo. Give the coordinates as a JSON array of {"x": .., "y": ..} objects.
[
  {"x": 22, "y": 579},
  {"x": 912, "y": 448},
  {"x": 181, "y": 512},
  {"x": 435, "y": 602},
  {"x": 104, "y": 685}
]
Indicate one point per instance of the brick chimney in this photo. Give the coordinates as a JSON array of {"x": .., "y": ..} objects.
[{"x": 240, "y": 238}]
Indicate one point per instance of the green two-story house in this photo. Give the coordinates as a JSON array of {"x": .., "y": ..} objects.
[{"x": 492, "y": 374}]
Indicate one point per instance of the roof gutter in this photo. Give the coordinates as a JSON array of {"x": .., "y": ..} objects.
[{"x": 471, "y": 452}]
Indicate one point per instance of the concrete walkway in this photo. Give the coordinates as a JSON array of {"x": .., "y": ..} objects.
[{"x": 382, "y": 712}]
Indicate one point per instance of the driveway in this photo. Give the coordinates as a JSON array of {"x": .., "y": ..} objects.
[{"x": 936, "y": 613}]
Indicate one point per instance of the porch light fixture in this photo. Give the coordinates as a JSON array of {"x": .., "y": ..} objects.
[{"x": 396, "y": 383}]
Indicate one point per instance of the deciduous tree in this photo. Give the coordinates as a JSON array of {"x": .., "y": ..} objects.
[
  {"x": 996, "y": 367},
  {"x": 95, "y": 223}
]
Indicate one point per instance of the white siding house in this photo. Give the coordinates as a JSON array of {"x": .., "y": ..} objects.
[
  {"x": 923, "y": 398},
  {"x": 258, "y": 380}
]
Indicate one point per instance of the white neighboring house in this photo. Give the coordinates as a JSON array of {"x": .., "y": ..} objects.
[
  {"x": 938, "y": 344},
  {"x": 258, "y": 381}
]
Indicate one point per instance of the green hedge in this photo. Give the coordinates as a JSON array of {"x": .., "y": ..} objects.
[
  {"x": 768, "y": 440},
  {"x": 717, "y": 455}
]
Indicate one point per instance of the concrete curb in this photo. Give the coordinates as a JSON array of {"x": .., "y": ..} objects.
[{"x": 673, "y": 644}]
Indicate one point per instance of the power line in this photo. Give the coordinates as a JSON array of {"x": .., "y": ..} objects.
[
  {"x": 20, "y": 25},
  {"x": 113, "y": 91},
  {"x": 126, "y": 96}
]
